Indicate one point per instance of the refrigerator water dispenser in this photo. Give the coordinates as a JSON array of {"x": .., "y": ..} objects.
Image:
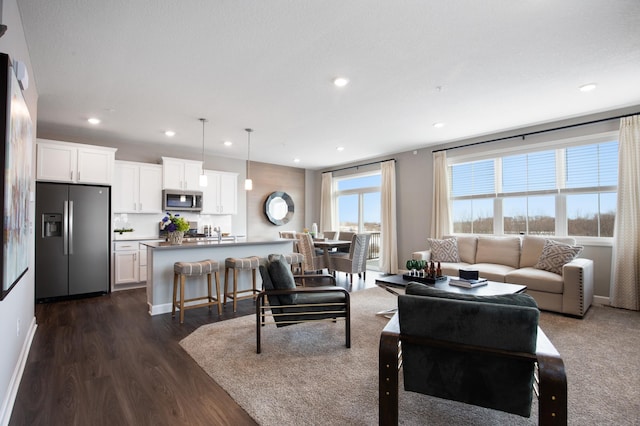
[{"x": 51, "y": 225}]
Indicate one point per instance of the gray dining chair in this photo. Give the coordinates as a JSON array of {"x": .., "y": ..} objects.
[{"x": 356, "y": 261}]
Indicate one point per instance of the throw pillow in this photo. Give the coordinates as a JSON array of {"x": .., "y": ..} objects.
[
  {"x": 282, "y": 279},
  {"x": 555, "y": 255},
  {"x": 444, "y": 250}
]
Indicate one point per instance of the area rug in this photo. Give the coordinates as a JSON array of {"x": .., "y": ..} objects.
[{"x": 305, "y": 374}]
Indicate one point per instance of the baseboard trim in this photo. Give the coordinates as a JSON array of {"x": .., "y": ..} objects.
[
  {"x": 601, "y": 301},
  {"x": 16, "y": 377}
]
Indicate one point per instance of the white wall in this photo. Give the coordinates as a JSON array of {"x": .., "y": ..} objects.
[{"x": 18, "y": 305}]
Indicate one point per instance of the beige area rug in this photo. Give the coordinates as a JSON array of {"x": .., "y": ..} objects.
[{"x": 305, "y": 374}]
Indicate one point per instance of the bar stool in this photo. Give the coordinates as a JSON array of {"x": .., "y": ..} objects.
[
  {"x": 240, "y": 263},
  {"x": 182, "y": 270},
  {"x": 294, "y": 259}
]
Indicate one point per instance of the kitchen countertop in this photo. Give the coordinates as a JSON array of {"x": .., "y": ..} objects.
[
  {"x": 133, "y": 238},
  {"x": 163, "y": 245}
]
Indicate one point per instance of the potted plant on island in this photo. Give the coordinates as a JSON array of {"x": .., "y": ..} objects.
[{"x": 176, "y": 226}]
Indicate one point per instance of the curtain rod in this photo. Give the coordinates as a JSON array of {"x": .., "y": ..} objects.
[
  {"x": 359, "y": 165},
  {"x": 524, "y": 135}
]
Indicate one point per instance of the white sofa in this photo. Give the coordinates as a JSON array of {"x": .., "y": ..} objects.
[{"x": 512, "y": 260}]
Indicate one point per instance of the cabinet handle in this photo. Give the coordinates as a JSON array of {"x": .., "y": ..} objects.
[
  {"x": 71, "y": 174},
  {"x": 135, "y": 256},
  {"x": 78, "y": 175}
]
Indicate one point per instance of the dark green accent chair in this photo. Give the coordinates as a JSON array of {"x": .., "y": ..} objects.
[
  {"x": 479, "y": 350},
  {"x": 289, "y": 304}
]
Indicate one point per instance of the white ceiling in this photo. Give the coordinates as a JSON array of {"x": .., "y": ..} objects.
[{"x": 144, "y": 66}]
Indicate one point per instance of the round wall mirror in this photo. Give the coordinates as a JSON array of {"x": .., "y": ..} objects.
[{"x": 279, "y": 208}]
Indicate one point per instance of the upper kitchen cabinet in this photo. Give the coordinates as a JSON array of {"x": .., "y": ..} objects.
[
  {"x": 220, "y": 196},
  {"x": 73, "y": 163},
  {"x": 181, "y": 174},
  {"x": 137, "y": 188}
]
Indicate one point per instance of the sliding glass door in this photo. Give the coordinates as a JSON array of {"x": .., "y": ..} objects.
[{"x": 358, "y": 209}]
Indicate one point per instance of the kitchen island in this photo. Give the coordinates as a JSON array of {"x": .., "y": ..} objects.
[{"x": 161, "y": 256}]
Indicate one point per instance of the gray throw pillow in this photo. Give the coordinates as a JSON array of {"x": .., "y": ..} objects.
[
  {"x": 282, "y": 278},
  {"x": 555, "y": 255},
  {"x": 444, "y": 250}
]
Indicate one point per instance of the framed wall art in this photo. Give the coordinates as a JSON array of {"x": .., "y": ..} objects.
[{"x": 15, "y": 182}]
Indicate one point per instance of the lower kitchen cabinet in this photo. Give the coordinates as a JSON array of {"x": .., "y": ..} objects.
[
  {"x": 126, "y": 257},
  {"x": 129, "y": 264}
]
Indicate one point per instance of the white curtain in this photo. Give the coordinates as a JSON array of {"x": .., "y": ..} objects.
[
  {"x": 625, "y": 286},
  {"x": 327, "y": 216},
  {"x": 441, "y": 216},
  {"x": 389, "y": 234}
]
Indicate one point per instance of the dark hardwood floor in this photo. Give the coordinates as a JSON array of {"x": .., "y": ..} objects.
[{"x": 105, "y": 361}]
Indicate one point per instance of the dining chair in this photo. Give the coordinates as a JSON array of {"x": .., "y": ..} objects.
[
  {"x": 312, "y": 262},
  {"x": 356, "y": 261},
  {"x": 345, "y": 236},
  {"x": 330, "y": 235}
]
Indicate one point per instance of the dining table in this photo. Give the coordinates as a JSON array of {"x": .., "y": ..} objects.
[{"x": 328, "y": 245}]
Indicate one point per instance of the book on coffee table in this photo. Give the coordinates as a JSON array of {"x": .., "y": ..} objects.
[{"x": 468, "y": 283}]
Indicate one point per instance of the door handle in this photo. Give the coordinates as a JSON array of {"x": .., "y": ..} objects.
[
  {"x": 70, "y": 227},
  {"x": 65, "y": 228}
]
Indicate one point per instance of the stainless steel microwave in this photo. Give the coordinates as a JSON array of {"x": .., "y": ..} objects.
[{"x": 175, "y": 200}]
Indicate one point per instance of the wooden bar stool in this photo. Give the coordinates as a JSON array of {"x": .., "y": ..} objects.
[
  {"x": 240, "y": 263},
  {"x": 183, "y": 270}
]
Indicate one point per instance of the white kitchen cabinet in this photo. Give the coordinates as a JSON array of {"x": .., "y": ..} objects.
[
  {"x": 137, "y": 187},
  {"x": 73, "y": 163},
  {"x": 126, "y": 260},
  {"x": 181, "y": 174},
  {"x": 220, "y": 196}
]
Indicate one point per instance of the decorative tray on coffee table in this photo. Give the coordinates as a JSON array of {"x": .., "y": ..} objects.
[{"x": 425, "y": 279}]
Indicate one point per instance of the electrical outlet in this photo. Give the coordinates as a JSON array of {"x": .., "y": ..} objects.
[{"x": 18, "y": 328}]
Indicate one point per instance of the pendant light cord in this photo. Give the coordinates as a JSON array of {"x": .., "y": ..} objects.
[
  {"x": 248, "y": 152},
  {"x": 204, "y": 120}
]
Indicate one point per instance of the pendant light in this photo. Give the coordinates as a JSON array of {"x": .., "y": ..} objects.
[
  {"x": 248, "y": 183},
  {"x": 203, "y": 177}
]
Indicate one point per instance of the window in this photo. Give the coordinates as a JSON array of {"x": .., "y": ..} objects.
[
  {"x": 473, "y": 191},
  {"x": 358, "y": 203},
  {"x": 569, "y": 190}
]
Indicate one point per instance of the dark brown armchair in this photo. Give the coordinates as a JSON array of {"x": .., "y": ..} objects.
[
  {"x": 288, "y": 304},
  {"x": 480, "y": 350}
]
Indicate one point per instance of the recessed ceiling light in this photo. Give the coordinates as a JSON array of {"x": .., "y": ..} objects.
[
  {"x": 170, "y": 133},
  {"x": 438, "y": 125},
  {"x": 588, "y": 87},
  {"x": 340, "y": 148},
  {"x": 94, "y": 120},
  {"x": 341, "y": 81},
  {"x": 296, "y": 160},
  {"x": 228, "y": 143}
]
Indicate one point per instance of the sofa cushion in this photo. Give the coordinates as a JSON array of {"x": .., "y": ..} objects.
[
  {"x": 492, "y": 271},
  {"x": 555, "y": 255},
  {"x": 536, "y": 280},
  {"x": 532, "y": 248},
  {"x": 499, "y": 250},
  {"x": 467, "y": 246},
  {"x": 444, "y": 250},
  {"x": 451, "y": 269}
]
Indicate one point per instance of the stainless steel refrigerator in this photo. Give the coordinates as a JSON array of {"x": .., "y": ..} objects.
[{"x": 72, "y": 240}]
